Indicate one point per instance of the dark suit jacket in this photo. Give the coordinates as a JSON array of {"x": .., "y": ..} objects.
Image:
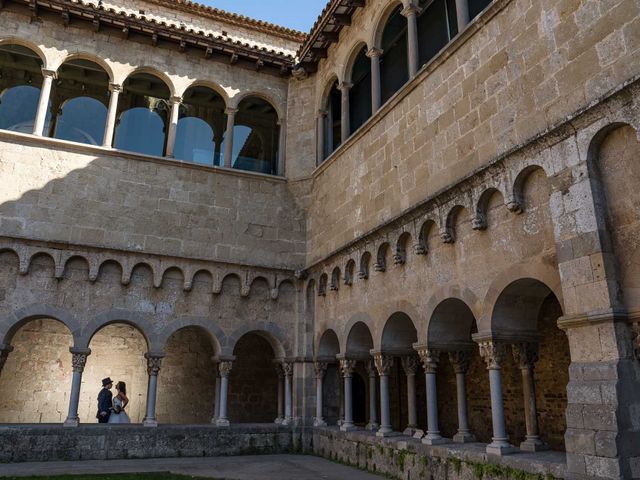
[{"x": 104, "y": 405}]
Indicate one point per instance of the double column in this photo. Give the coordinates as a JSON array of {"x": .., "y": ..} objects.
[
  {"x": 411, "y": 14},
  {"x": 373, "y": 424},
  {"x": 347, "y": 366},
  {"x": 384, "y": 364},
  {"x": 280, "y": 374},
  {"x": 154, "y": 362},
  {"x": 78, "y": 362},
  {"x": 287, "y": 370},
  {"x": 224, "y": 370},
  {"x": 410, "y": 365},
  {"x": 460, "y": 362},
  {"x": 430, "y": 359},
  {"x": 216, "y": 403},
  {"x": 320, "y": 369}
]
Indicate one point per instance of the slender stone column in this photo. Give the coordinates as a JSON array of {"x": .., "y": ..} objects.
[
  {"x": 462, "y": 13},
  {"x": 493, "y": 354},
  {"x": 320, "y": 370},
  {"x": 280, "y": 375},
  {"x": 526, "y": 355},
  {"x": 282, "y": 147},
  {"x": 320, "y": 119},
  {"x": 430, "y": 359},
  {"x": 346, "y": 122},
  {"x": 78, "y": 362},
  {"x": 347, "y": 366},
  {"x": 411, "y": 14},
  {"x": 287, "y": 368},
  {"x": 341, "y": 404},
  {"x": 216, "y": 405},
  {"x": 43, "y": 103},
  {"x": 228, "y": 138},
  {"x": 224, "y": 368},
  {"x": 410, "y": 365},
  {"x": 154, "y": 361},
  {"x": 376, "y": 91},
  {"x": 460, "y": 362},
  {"x": 5, "y": 350},
  {"x": 173, "y": 125},
  {"x": 110, "y": 127},
  {"x": 384, "y": 364},
  {"x": 373, "y": 414}
]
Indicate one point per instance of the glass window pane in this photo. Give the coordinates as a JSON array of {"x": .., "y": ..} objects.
[
  {"x": 18, "y": 107},
  {"x": 394, "y": 68},
  {"x": 141, "y": 130},
  {"x": 433, "y": 30},
  {"x": 255, "y": 137},
  {"x": 82, "y": 120},
  {"x": 194, "y": 141}
]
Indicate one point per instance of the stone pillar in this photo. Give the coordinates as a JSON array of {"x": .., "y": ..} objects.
[
  {"x": 373, "y": 414},
  {"x": 287, "y": 368},
  {"x": 110, "y": 127},
  {"x": 411, "y": 14},
  {"x": 154, "y": 361},
  {"x": 346, "y": 122},
  {"x": 173, "y": 125},
  {"x": 376, "y": 90},
  {"x": 320, "y": 119},
  {"x": 526, "y": 355},
  {"x": 430, "y": 358},
  {"x": 410, "y": 365},
  {"x": 384, "y": 364},
  {"x": 462, "y": 13},
  {"x": 320, "y": 370},
  {"x": 78, "y": 362},
  {"x": 280, "y": 375},
  {"x": 224, "y": 368},
  {"x": 460, "y": 362},
  {"x": 282, "y": 147},
  {"x": 341, "y": 404},
  {"x": 347, "y": 366},
  {"x": 216, "y": 405},
  {"x": 493, "y": 353},
  {"x": 228, "y": 139},
  {"x": 43, "y": 103}
]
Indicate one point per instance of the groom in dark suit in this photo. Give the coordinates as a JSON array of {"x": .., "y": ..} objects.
[{"x": 105, "y": 401}]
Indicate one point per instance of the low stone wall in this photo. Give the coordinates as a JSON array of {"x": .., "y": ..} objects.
[
  {"x": 405, "y": 458},
  {"x": 26, "y": 443}
]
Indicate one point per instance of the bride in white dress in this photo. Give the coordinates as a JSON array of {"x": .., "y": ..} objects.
[{"x": 120, "y": 401}]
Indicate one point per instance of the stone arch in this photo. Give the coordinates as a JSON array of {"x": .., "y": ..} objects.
[
  {"x": 269, "y": 331},
  {"x": 398, "y": 335},
  {"x": 13, "y": 322},
  {"x": 349, "y": 271},
  {"x": 46, "y": 62},
  {"x": 206, "y": 325},
  {"x": 327, "y": 83},
  {"x": 140, "y": 321},
  {"x": 453, "y": 291},
  {"x": 166, "y": 274},
  {"x": 310, "y": 299},
  {"x": 449, "y": 233},
  {"x": 482, "y": 206},
  {"x": 42, "y": 254},
  {"x": 257, "y": 282},
  {"x": 451, "y": 325},
  {"x": 328, "y": 346},
  {"x": 236, "y": 100},
  {"x": 198, "y": 276},
  {"x": 400, "y": 254},
  {"x": 335, "y": 279},
  {"x": 424, "y": 230},
  {"x": 207, "y": 84},
  {"x": 358, "y": 341},
  {"x": 91, "y": 58},
  {"x": 380, "y": 22},
  {"x": 546, "y": 275},
  {"x": 156, "y": 73},
  {"x": 65, "y": 266},
  {"x": 107, "y": 262},
  {"x": 392, "y": 307},
  {"x": 381, "y": 257},
  {"x": 365, "y": 262},
  {"x": 322, "y": 284},
  {"x": 351, "y": 58},
  {"x": 515, "y": 200}
]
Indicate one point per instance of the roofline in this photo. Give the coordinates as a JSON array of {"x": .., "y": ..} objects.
[{"x": 233, "y": 19}]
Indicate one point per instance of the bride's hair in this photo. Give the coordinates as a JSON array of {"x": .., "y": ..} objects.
[{"x": 122, "y": 387}]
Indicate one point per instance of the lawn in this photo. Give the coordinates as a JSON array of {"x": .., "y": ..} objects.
[{"x": 119, "y": 476}]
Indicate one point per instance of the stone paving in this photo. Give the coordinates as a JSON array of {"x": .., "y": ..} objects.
[{"x": 254, "y": 467}]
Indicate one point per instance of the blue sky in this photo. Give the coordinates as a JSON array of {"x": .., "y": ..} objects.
[{"x": 298, "y": 14}]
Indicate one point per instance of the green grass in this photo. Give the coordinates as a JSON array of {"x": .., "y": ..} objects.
[{"x": 119, "y": 476}]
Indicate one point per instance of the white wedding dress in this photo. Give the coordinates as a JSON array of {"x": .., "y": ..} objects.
[{"x": 121, "y": 417}]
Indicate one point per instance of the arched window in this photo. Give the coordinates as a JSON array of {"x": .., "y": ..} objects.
[
  {"x": 20, "y": 81},
  {"x": 360, "y": 94},
  {"x": 394, "y": 67},
  {"x": 201, "y": 127},
  {"x": 437, "y": 24},
  {"x": 255, "y": 137},
  {"x": 332, "y": 120},
  {"x": 143, "y": 114},
  {"x": 79, "y": 102}
]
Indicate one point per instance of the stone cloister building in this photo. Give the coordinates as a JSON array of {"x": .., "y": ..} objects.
[{"x": 411, "y": 232}]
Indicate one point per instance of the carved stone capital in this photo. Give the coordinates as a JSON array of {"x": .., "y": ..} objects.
[
  {"x": 493, "y": 353},
  {"x": 447, "y": 236},
  {"x": 320, "y": 369},
  {"x": 460, "y": 360},
  {"x": 278, "y": 368},
  {"x": 79, "y": 360},
  {"x": 410, "y": 10},
  {"x": 115, "y": 87},
  {"x": 420, "y": 249},
  {"x": 287, "y": 368},
  {"x": 154, "y": 362},
  {"x": 49, "y": 74},
  {"x": 479, "y": 221},
  {"x": 410, "y": 364},
  {"x": 301, "y": 274},
  {"x": 384, "y": 363},
  {"x": 515, "y": 205},
  {"x": 374, "y": 52},
  {"x": 525, "y": 354},
  {"x": 345, "y": 86},
  {"x": 370, "y": 367},
  {"x": 224, "y": 368},
  {"x": 430, "y": 358},
  {"x": 230, "y": 111},
  {"x": 299, "y": 73},
  {"x": 347, "y": 366}
]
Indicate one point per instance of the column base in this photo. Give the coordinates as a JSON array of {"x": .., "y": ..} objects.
[
  {"x": 71, "y": 422},
  {"x": 464, "y": 437},
  {"x": 150, "y": 422},
  {"x": 387, "y": 432},
  {"x": 410, "y": 431},
  {"x": 500, "y": 448},
  {"x": 533, "y": 445},
  {"x": 348, "y": 427},
  {"x": 278, "y": 421},
  {"x": 319, "y": 422},
  {"x": 433, "y": 439},
  {"x": 340, "y": 422},
  {"x": 287, "y": 422},
  {"x": 419, "y": 433},
  {"x": 372, "y": 426},
  {"x": 222, "y": 422}
]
